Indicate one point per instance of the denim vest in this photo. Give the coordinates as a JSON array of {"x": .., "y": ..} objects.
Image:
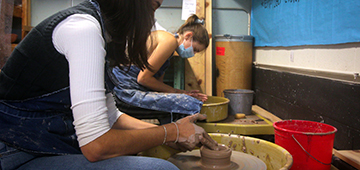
[{"x": 35, "y": 114}]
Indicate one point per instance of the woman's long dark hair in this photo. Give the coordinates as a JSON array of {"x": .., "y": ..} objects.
[{"x": 129, "y": 23}]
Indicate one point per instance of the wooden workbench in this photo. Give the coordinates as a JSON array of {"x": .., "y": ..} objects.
[{"x": 352, "y": 157}]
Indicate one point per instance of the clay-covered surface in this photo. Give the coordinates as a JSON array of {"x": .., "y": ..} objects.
[
  {"x": 192, "y": 161},
  {"x": 274, "y": 156},
  {"x": 249, "y": 125}
]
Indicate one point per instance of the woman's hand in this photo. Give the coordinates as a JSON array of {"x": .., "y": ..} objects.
[
  {"x": 191, "y": 135},
  {"x": 196, "y": 94}
]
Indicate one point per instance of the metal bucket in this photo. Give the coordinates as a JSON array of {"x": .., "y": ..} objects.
[{"x": 240, "y": 100}]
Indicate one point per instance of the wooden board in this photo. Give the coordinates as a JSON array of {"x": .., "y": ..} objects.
[
  {"x": 17, "y": 11},
  {"x": 195, "y": 66},
  {"x": 26, "y": 17},
  {"x": 194, "y": 73},
  {"x": 208, "y": 52},
  {"x": 267, "y": 115},
  {"x": 13, "y": 46},
  {"x": 352, "y": 157}
]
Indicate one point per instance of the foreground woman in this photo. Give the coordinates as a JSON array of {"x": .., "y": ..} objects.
[{"x": 56, "y": 109}]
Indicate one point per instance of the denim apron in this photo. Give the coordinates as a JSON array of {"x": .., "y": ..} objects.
[
  {"x": 39, "y": 125},
  {"x": 128, "y": 90}
]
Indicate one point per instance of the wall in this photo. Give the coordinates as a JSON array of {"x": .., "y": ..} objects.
[
  {"x": 224, "y": 23},
  {"x": 40, "y": 9},
  {"x": 318, "y": 83},
  {"x": 309, "y": 82},
  {"x": 169, "y": 15},
  {"x": 341, "y": 58}
]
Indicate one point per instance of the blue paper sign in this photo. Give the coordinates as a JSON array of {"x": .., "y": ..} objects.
[{"x": 305, "y": 22}]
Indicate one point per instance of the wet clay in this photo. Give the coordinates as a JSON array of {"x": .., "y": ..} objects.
[
  {"x": 215, "y": 159},
  {"x": 224, "y": 159}
]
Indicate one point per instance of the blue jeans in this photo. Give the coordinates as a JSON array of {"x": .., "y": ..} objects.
[{"x": 11, "y": 158}]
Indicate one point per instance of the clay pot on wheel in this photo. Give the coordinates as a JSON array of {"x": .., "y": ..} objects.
[{"x": 211, "y": 159}]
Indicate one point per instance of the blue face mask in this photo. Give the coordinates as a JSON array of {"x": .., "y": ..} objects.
[{"x": 185, "y": 53}]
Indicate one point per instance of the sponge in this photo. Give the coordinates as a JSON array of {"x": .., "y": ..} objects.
[{"x": 239, "y": 115}]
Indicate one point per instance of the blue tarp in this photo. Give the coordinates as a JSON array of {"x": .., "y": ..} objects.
[{"x": 305, "y": 22}]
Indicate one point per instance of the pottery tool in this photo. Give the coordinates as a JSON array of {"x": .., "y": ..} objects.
[{"x": 239, "y": 115}]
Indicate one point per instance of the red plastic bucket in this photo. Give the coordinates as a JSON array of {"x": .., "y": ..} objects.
[{"x": 310, "y": 143}]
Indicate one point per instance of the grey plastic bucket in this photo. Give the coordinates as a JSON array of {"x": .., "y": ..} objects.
[{"x": 240, "y": 100}]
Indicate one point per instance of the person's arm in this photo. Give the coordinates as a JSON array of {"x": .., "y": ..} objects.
[
  {"x": 119, "y": 120},
  {"x": 161, "y": 78},
  {"x": 127, "y": 122},
  {"x": 117, "y": 142},
  {"x": 185, "y": 132},
  {"x": 193, "y": 93},
  {"x": 162, "y": 47}
]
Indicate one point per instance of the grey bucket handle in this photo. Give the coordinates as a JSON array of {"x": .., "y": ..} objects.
[
  {"x": 308, "y": 152},
  {"x": 229, "y": 36}
]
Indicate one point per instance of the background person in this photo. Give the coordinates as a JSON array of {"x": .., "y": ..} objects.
[{"x": 140, "y": 87}]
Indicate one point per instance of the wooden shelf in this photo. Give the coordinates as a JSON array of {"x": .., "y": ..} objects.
[
  {"x": 26, "y": 22},
  {"x": 27, "y": 28},
  {"x": 17, "y": 11},
  {"x": 21, "y": 11},
  {"x": 13, "y": 46}
]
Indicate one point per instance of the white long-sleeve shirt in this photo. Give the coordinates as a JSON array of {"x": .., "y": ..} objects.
[{"x": 79, "y": 38}]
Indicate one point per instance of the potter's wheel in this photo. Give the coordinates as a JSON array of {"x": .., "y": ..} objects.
[{"x": 239, "y": 161}]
